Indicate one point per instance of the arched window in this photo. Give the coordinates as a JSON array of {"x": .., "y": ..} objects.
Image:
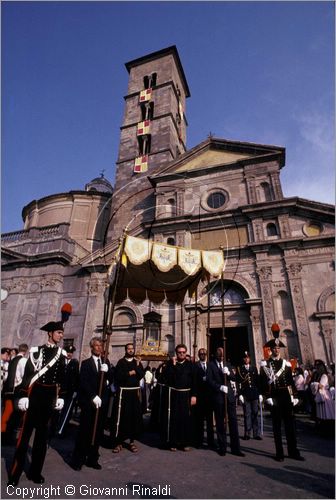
[
  {"x": 265, "y": 192},
  {"x": 292, "y": 345},
  {"x": 330, "y": 303},
  {"x": 170, "y": 207},
  {"x": 124, "y": 318},
  {"x": 152, "y": 326},
  {"x": 232, "y": 295},
  {"x": 283, "y": 305},
  {"x": 271, "y": 229}
]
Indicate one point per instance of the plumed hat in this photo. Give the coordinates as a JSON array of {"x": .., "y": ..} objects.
[
  {"x": 52, "y": 326},
  {"x": 275, "y": 342},
  {"x": 69, "y": 348},
  {"x": 246, "y": 354}
]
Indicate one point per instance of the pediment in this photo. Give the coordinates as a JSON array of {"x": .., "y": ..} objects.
[
  {"x": 215, "y": 153},
  {"x": 212, "y": 158}
]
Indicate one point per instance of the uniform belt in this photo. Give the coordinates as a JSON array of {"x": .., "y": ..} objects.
[
  {"x": 129, "y": 388},
  {"x": 46, "y": 385}
]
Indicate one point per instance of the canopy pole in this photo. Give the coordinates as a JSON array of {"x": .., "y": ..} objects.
[
  {"x": 182, "y": 323},
  {"x": 107, "y": 325},
  {"x": 208, "y": 335},
  {"x": 195, "y": 327},
  {"x": 224, "y": 343}
]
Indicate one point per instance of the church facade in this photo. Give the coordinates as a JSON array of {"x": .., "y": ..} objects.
[{"x": 279, "y": 252}]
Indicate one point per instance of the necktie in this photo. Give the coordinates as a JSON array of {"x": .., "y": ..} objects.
[
  {"x": 99, "y": 364},
  {"x": 204, "y": 366}
]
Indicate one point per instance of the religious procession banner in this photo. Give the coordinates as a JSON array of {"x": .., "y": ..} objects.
[
  {"x": 138, "y": 250},
  {"x": 158, "y": 272}
]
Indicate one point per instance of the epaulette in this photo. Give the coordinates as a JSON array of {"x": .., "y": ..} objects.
[
  {"x": 288, "y": 364},
  {"x": 34, "y": 349},
  {"x": 263, "y": 363}
]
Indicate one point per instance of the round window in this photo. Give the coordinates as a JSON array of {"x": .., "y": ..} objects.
[
  {"x": 216, "y": 199},
  {"x": 312, "y": 229}
]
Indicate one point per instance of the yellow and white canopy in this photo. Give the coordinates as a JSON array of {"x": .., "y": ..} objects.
[{"x": 158, "y": 271}]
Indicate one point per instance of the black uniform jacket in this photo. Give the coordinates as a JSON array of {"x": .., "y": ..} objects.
[{"x": 248, "y": 382}]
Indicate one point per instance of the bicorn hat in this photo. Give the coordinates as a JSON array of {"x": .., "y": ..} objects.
[
  {"x": 246, "y": 354},
  {"x": 52, "y": 326},
  {"x": 69, "y": 348},
  {"x": 275, "y": 342}
]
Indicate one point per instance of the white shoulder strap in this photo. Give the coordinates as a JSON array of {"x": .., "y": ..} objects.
[{"x": 46, "y": 367}]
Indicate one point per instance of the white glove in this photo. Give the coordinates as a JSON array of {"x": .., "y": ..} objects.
[
  {"x": 261, "y": 399},
  {"x": 226, "y": 370},
  {"x": 269, "y": 401},
  {"x": 59, "y": 404},
  {"x": 224, "y": 388},
  {"x": 104, "y": 367},
  {"x": 295, "y": 401},
  {"x": 241, "y": 399},
  {"x": 97, "y": 401},
  {"x": 332, "y": 392},
  {"x": 74, "y": 395},
  {"x": 23, "y": 404}
]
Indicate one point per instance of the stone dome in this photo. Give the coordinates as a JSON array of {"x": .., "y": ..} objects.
[{"x": 99, "y": 184}]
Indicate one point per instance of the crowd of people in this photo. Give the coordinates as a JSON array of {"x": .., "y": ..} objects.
[{"x": 184, "y": 398}]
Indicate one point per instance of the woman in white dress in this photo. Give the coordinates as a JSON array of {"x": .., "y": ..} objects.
[{"x": 325, "y": 404}]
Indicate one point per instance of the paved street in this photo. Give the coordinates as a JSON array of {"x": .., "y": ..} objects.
[{"x": 195, "y": 474}]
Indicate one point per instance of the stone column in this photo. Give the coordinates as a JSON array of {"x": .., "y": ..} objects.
[
  {"x": 265, "y": 278},
  {"x": 257, "y": 331},
  {"x": 258, "y": 232},
  {"x": 284, "y": 226},
  {"x": 276, "y": 185},
  {"x": 251, "y": 191},
  {"x": 94, "y": 309},
  {"x": 293, "y": 271},
  {"x": 327, "y": 323},
  {"x": 180, "y": 203}
]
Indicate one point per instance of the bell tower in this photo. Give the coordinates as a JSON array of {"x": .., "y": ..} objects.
[{"x": 153, "y": 130}]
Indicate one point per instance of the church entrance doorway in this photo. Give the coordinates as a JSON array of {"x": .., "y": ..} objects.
[{"x": 236, "y": 343}]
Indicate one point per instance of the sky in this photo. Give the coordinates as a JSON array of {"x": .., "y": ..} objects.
[{"x": 258, "y": 72}]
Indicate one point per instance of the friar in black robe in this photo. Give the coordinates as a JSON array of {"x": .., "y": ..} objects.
[
  {"x": 127, "y": 414},
  {"x": 180, "y": 379}
]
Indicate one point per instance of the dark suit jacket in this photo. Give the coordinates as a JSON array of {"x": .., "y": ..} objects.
[
  {"x": 215, "y": 378},
  {"x": 202, "y": 386},
  {"x": 89, "y": 379},
  {"x": 71, "y": 377}
]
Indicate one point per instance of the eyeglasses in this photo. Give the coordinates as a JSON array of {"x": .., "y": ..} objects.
[{"x": 181, "y": 352}]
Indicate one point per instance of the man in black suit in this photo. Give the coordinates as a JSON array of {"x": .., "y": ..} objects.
[
  {"x": 219, "y": 377},
  {"x": 71, "y": 381},
  {"x": 88, "y": 437},
  {"x": 203, "y": 407},
  {"x": 249, "y": 396}
]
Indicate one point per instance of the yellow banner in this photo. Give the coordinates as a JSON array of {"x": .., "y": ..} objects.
[
  {"x": 164, "y": 257},
  {"x": 189, "y": 260},
  {"x": 137, "y": 250},
  {"x": 213, "y": 262}
]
